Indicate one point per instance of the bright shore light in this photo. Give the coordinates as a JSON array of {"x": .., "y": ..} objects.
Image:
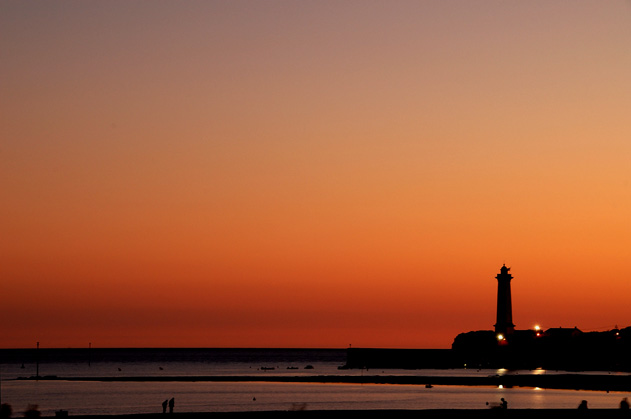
[
  {"x": 500, "y": 337},
  {"x": 537, "y": 328}
]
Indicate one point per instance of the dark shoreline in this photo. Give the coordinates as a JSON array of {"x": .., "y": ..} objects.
[
  {"x": 397, "y": 414},
  {"x": 554, "y": 381}
]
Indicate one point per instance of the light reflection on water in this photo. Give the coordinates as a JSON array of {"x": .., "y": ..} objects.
[
  {"x": 108, "y": 369},
  {"x": 133, "y": 397}
]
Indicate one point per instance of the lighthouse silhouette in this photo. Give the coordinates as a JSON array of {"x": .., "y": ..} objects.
[{"x": 504, "y": 322}]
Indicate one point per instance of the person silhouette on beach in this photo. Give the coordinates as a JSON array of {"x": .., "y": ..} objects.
[
  {"x": 171, "y": 404},
  {"x": 503, "y": 403},
  {"x": 164, "y": 405},
  {"x": 583, "y": 405},
  {"x": 624, "y": 404}
]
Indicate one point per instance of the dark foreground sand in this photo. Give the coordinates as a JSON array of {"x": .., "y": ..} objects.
[{"x": 394, "y": 414}]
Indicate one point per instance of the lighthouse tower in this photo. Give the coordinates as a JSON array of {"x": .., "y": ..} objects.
[{"x": 504, "y": 323}]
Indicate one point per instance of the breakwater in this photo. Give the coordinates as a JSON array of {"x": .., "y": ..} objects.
[{"x": 402, "y": 358}]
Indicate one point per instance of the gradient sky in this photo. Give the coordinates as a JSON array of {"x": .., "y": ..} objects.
[{"x": 311, "y": 173}]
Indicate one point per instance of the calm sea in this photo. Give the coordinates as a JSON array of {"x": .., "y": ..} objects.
[{"x": 119, "y": 397}]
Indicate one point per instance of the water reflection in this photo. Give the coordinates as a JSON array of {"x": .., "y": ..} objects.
[{"x": 122, "y": 398}]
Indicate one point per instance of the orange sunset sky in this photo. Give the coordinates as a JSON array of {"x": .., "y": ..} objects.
[{"x": 311, "y": 173}]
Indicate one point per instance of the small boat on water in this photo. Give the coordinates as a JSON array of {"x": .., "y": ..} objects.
[{"x": 268, "y": 368}]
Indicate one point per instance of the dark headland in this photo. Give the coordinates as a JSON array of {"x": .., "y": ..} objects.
[
  {"x": 564, "y": 349},
  {"x": 567, "y": 349}
]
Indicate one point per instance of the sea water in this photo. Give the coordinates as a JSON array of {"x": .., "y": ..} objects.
[{"x": 121, "y": 397}]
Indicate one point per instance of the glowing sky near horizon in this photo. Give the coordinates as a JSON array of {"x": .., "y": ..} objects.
[{"x": 311, "y": 173}]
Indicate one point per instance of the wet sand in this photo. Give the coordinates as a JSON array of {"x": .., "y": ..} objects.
[{"x": 553, "y": 381}]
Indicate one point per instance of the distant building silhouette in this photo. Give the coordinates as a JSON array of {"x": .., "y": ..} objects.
[{"x": 504, "y": 323}]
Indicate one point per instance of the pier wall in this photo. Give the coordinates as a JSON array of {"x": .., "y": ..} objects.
[{"x": 401, "y": 358}]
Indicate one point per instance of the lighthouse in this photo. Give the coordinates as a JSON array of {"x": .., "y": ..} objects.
[{"x": 504, "y": 323}]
